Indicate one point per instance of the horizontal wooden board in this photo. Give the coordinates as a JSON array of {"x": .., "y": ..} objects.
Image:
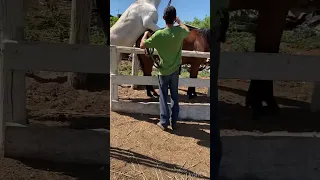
[
  {"x": 57, "y": 57},
  {"x": 57, "y": 144},
  {"x": 264, "y": 66}
]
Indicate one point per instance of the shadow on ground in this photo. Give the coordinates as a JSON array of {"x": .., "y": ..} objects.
[
  {"x": 245, "y": 177},
  {"x": 73, "y": 121},
  {"x": 133, "y": 157},
  {"x": 186, "y": 130},
  {"x": 80, "y": 172}
]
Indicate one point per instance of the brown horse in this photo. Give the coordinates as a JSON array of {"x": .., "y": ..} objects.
[{"x": 198, "y": 40}]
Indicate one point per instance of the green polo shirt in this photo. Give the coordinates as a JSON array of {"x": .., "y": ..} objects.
[
  {"x": 218, "y": 7},
  {"x": 168, "y": 42}
]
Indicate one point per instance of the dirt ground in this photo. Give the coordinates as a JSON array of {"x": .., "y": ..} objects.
[{"x": 52, "y": 102}]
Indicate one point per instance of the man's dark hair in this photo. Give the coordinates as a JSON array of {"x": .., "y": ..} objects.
[{"x": 170, "y": 14}]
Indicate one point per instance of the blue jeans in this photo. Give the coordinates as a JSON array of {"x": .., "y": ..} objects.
[{"x": 172, "y": 82}]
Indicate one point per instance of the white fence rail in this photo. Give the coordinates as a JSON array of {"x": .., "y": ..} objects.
[{"x": 233, "y": 65}]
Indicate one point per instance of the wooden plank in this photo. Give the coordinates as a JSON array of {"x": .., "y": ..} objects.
[
  {"x": 57, "y": 57},
  {"x": 58, "y": 144},
  {"x": 129, "y": 50},
  {"x": 194, "y": 111},
  {"x": 12, "y": 14},
  {"x": 263, "y": 66},
  {"x": 152, "y": 80},
  {"x": 113, "y": 71}
]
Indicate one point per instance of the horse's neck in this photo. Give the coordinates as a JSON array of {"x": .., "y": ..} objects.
[{"x": 155, "y": 3}]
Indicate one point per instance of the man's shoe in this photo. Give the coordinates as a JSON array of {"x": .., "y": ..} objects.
[
  {"x": 173, "y": 126},
  {"x": 161, "y": 127}
]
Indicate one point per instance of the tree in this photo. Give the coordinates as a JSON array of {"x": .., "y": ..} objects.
[
  {"x": 113, "y": 20},
  {"x": 204, "y": 23}
]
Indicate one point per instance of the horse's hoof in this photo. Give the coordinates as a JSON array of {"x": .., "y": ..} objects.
[
  {"x": 256, "y": 116},
  {"x": 273, "y": 111},
  {"x": 149, "y": 95},
  {"x": 191, "y": 96},
  {"x": 155, "y": 95}
]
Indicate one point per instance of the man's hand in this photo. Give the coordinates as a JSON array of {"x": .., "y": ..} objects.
[
  {"x": 146, "y": 35},
  {"x": 178, "y": 21}
]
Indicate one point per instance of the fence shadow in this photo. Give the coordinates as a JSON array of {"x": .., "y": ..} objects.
[
  {"x": 79, "y": 172},
  {"x": 133, "y": 157},
  {"x": 195, "y": 131}
]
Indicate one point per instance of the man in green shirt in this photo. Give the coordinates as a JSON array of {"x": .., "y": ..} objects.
[{"x": 168, "y": 42}]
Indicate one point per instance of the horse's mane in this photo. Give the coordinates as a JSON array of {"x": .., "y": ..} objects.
[{"x": 205, "y": 32}]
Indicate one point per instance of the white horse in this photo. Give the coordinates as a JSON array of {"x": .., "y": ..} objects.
[{"x": 140, "y": 16}]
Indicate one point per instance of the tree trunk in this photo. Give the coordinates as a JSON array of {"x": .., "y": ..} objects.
[{"x": 272, "y": 20}]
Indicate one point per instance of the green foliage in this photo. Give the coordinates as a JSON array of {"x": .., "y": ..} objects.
[
  {"x": 113, "y": 20},
  {"x": 302, "y": 38},
  {"x": 200, "y": 23}
]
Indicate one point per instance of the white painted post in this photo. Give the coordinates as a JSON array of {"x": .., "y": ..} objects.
[
  {"x": 114, "y": 58},
  {"x": 135, "y": 68},
  {"x": 315, "y": 100},
  {"x": 12, "y": 20}
]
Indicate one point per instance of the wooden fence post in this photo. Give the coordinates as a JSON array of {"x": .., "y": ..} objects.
[
  {"x": 13, "y": 83},
  {"x": 135, "y": 68},
  {"x": 114, "y": 59}
]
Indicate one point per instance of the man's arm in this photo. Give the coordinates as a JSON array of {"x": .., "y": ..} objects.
[
  {"x": 184, "y": 27},
  {"x": 143, "y": 39},
  {"x": 150, "y": 42}
]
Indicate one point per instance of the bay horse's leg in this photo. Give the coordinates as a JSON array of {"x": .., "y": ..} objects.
[
  {"x": 146, "y": 66},
  {"x": 194, "y": 69},
  {"x": 274, "y": 22}
]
